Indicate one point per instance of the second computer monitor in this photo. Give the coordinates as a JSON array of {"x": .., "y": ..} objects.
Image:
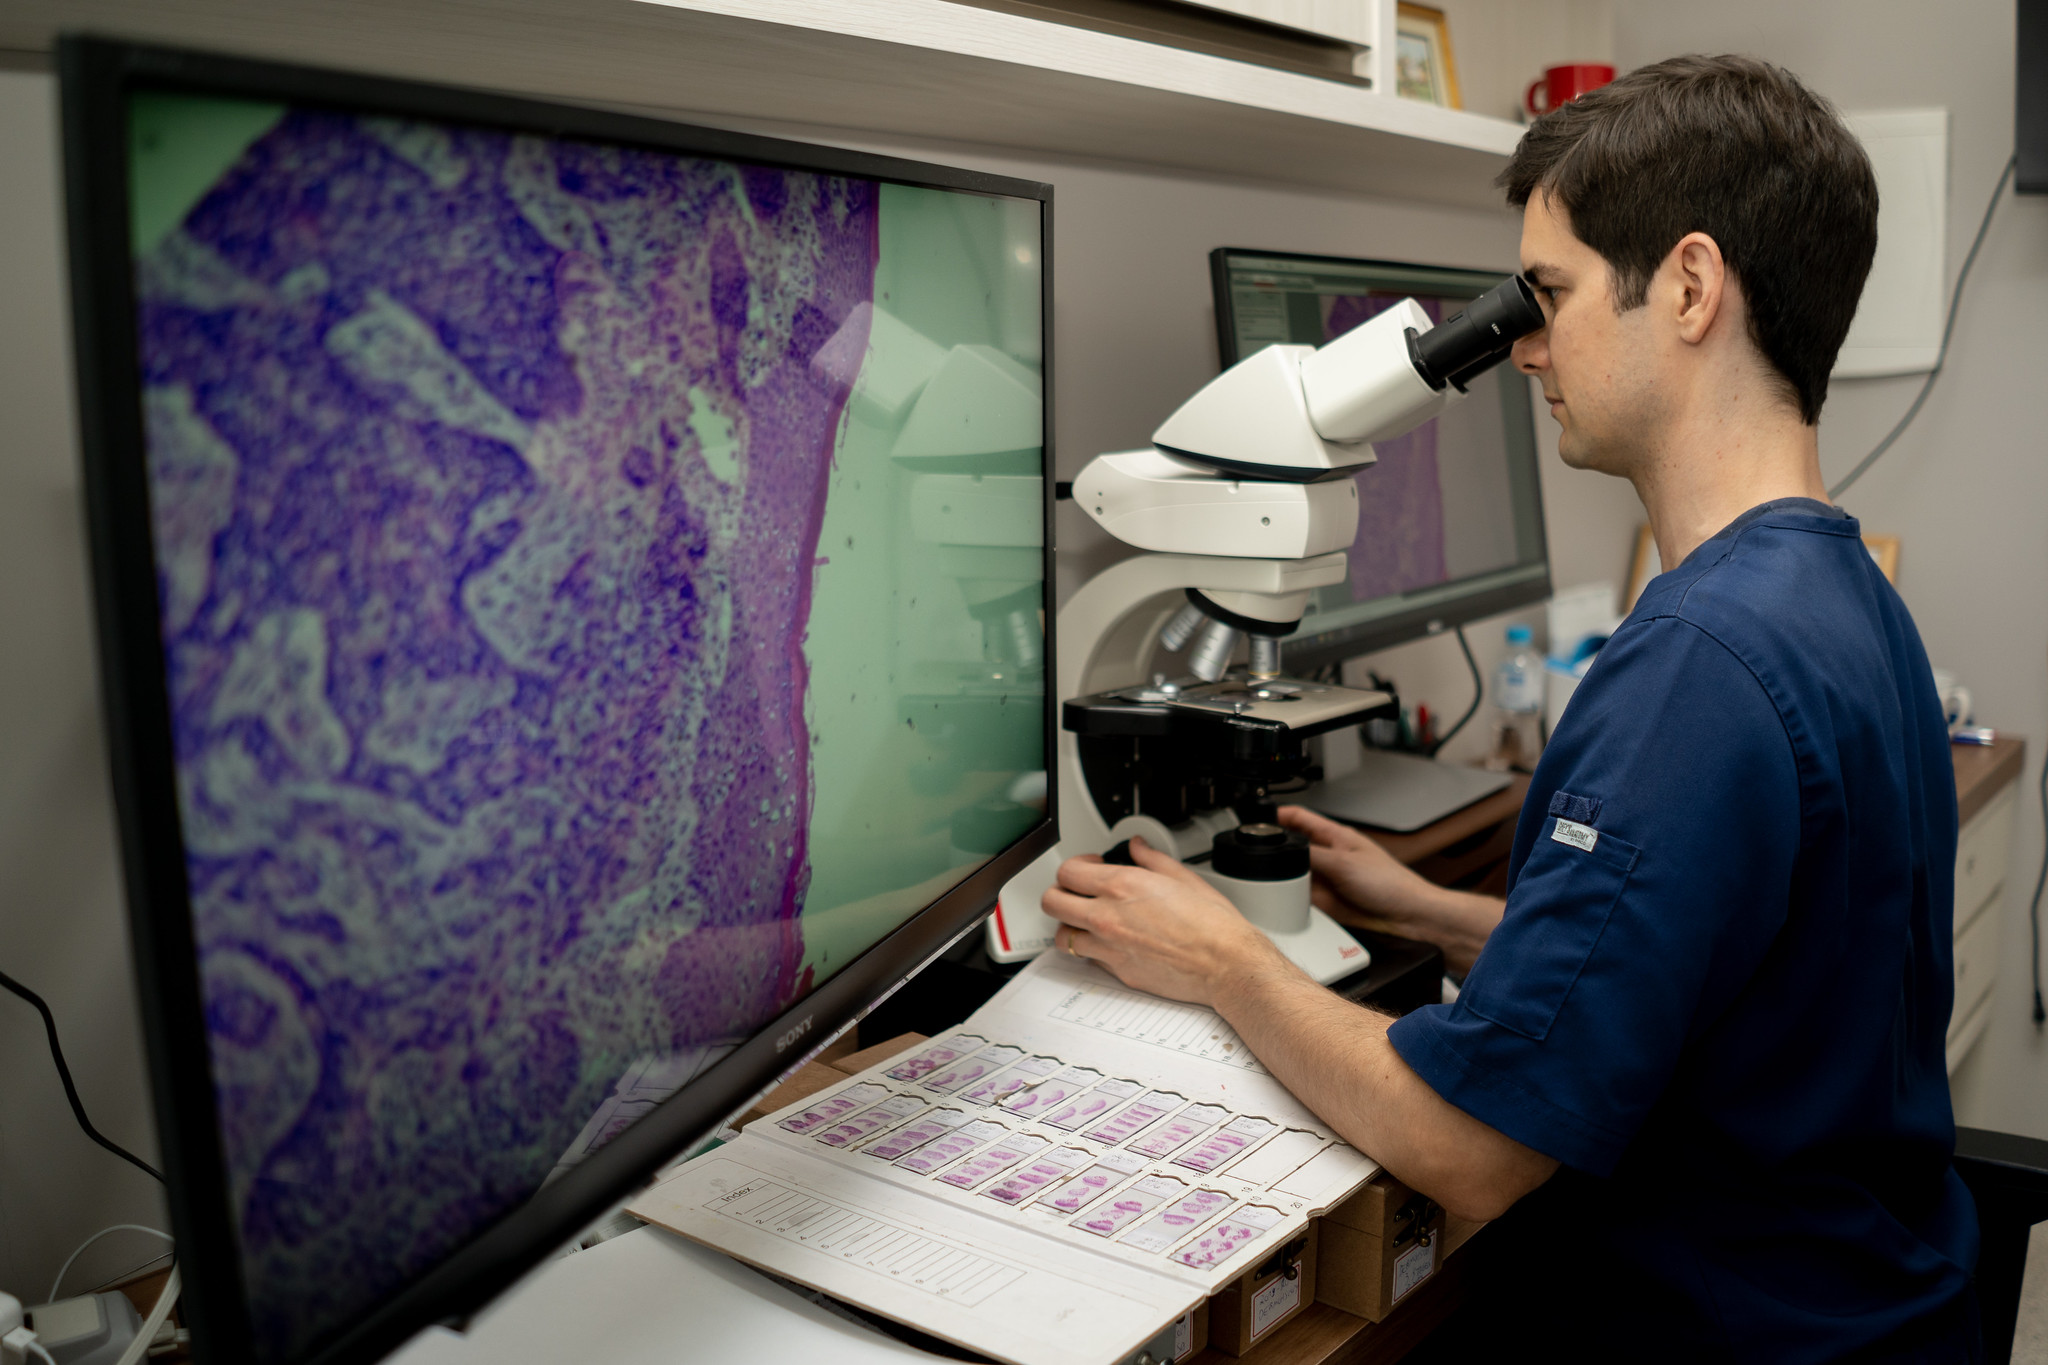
[{"x": 1450, "y": 526}]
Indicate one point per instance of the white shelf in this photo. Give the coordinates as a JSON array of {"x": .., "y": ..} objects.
[{"x": 922, "y": 68}]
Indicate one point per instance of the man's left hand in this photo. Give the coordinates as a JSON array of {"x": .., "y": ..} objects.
[{"x": 1157, "y": 926}]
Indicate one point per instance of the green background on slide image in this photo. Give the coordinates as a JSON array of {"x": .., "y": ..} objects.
[{"x": 917, "y": 712}]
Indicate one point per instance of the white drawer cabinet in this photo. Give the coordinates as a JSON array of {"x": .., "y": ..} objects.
[
  {"x": 1982, "y": 850},
  {"x": 1976, "y": 969},
  {"x": 1987, "y": 798}
]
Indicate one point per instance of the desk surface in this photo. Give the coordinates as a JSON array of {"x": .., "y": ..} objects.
[
  {"x": 1982, "y": 770},
  {"x": 1477, "y": 818},
  {"x": 651, "y": 1298}
]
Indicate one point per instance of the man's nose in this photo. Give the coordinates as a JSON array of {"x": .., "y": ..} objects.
[{"x": 1531, "y": 354}]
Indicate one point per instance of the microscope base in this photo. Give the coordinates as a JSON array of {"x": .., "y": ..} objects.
[
  {"x": 1019, "y": 930},
  {"x": 1325, "y": 949}
]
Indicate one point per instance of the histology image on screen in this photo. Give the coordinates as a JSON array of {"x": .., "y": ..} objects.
[{"x": 549, "y": 626}]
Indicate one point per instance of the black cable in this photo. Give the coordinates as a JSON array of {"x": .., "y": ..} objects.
[
  {"x": 2034, "y": 908},
  {"x": 64, "y": 1074},
  {"x": 1947, "y": 331},
  {"x": 1478, "y": 694}
]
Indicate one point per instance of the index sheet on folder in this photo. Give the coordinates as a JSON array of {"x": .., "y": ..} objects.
[{"x": 1053, "y": 1182}]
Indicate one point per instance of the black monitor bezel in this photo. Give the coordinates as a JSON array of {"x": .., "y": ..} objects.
[
  {"x": 1318, "y": 649},
  {"x": 95, "y": 76}
]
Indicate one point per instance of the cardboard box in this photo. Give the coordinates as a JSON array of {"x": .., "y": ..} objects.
[
  {"x": 1249, "y": 1308},
  {"x": 1379, "y": 1246},
  {"x": 806, "y": 1081},
  {"x": 1191, "y": 1333},
  {"x": 853, "y": 1063},
  {"x": 845, "y": 1045}
]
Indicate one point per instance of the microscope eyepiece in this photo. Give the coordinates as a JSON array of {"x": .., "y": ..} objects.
[{"x": 1473, "y": 342}]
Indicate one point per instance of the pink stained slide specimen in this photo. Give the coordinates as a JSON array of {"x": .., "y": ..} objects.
[
  {"x": 838, "y": 1106},
  {"x": 887, "y": 1114},
  {"x": 984, "y": 1063},
  {"x": 1134, "y": 1201},
  {"x": 1179, "y": 1130},
  {"x": 1134, "y": 1118},
  {"x": 1085, "y": 1188},
  {"x": 1036, "y": 1175},
  {"x": 1226, "y": 1144},
  {"x": 912, "y": 1136},
  {"x": 1027, "y": 1072},
  {"x": 1093, "y": 1105},
  {"x": 954, "y": 1145},
  {"x": 932, "y": 1058},
  {"x": 1228, "y": 1237},
  {"x": 1177, "y": 1220},
  {"x": 1000, "y": 1157},
  {"x": 1048, "y": 1095}
]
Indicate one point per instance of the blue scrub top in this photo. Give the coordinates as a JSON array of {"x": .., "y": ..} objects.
[{"x": 1720, "y": 990}]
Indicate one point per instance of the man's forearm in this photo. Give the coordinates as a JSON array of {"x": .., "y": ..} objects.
[
  {"x": 1464, "y": 920},
  {"x": 1457, "y": 923},
  {"x": 1335, "y": 1057}
]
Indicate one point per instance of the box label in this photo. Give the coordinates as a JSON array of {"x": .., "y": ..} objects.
[
  {"x": 1415, "y": 1265},
  {"x": 1273, "y": 1303}
]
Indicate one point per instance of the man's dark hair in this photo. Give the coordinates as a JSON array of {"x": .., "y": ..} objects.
[{"x": 1740, "y": 150}]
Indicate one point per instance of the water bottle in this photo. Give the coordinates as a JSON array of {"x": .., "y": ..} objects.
[{"x": 1517, "y": 705}]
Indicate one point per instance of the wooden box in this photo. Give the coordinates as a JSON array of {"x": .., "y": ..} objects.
[
  {"x": 1247, "y": 1310},
  {"x": 1191, "y": 1333},
  {"x": 1378, "y": 1246}
]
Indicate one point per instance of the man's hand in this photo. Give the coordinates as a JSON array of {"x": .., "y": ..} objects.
[
  {"x": 1160, "y": 928},
  {"x": 1356, "y": 878},
  {"x": 1157, "y": 926},
  {"x": 1361, "y": 884}
]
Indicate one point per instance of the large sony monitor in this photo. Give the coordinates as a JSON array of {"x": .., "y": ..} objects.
[
  {"x": 1450, "y": 524},
  {"x": 571, "y": 592}
]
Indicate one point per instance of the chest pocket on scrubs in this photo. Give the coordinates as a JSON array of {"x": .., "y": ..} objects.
[{"x": 1566, "y": 892}]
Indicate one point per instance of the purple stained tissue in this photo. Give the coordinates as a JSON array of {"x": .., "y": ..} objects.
[
  {"x": 487, "y": 473},
  {"x": 1400, "y": 542}
]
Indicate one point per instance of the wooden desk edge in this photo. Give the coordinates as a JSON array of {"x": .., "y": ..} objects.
[
  {"x": 1505, "y": 804},
  {"x": 1982, "y": 772}
]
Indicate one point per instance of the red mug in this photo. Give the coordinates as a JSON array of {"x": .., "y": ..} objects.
[{"x": 1561, "y": 85}]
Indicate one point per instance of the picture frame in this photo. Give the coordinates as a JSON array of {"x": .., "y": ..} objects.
[
  {"x": 1644, "y": 563},
  {"x": 1424, "y": 67}
]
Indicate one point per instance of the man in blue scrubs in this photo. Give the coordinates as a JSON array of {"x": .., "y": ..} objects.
[{"x": 1708, "y": 1021}]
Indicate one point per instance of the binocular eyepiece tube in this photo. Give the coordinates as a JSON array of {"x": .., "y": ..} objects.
[{"x": 1468, "y": 345}]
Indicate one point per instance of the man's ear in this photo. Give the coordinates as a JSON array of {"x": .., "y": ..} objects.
[{"x": 1700, "y": 278}]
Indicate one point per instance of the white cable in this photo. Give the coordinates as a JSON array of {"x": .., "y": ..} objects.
[
  {"x": 58, "y": 1283},
  {"x": 147, "y": 1332},
  {"x": 37, "y": 1348}
]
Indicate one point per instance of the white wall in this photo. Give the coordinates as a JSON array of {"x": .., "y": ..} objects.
[
  {"x": 1966, "y": 488},
  {"x": 62, "y": 929},
  {"x": 1134, "y": 335},
  {"x": 1499, "y": 46}
]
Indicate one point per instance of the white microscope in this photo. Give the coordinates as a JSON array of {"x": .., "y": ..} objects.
[{"x": 1247, "y": 504}]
